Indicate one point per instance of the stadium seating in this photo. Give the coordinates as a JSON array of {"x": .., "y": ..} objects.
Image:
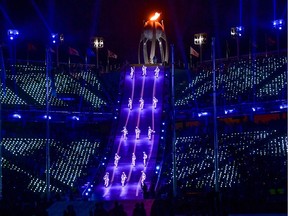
[
  {"x": 67, "y": 164},
  {"x": 237, "y": 151},
  {"x": 237, "y": 82},
  {"x": 29, "y": 84}
]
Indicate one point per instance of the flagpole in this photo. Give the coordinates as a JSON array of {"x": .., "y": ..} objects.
[
  {"x": 173, "y": 123},
  {"x": 107, "y": 68},
  {"x": 47, "y": 146},
  {"x": 69, "y": 63},
  {"x": 57, "y": 56},
  {"x": 97, "y": 59},
  {"x": 27, "y": 57}
]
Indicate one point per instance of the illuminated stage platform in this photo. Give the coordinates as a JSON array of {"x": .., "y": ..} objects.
[{"x": 146, "y": 82}]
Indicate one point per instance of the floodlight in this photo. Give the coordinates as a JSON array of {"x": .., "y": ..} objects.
[
  {"x": 228, "y": 111},
  {"x": 61, "y": 38},
  {"x": 97, "y": 42},
  {"x": 200, "y": 38},
  {"x": 202, "y": 114},
  {"x": 12, "y": 34},
  {"x": 278, "y": 24},
  {"x": 16, "y": 115},
  {"x": 54, "y": 38},
  {"x": 45, "y": 117},
  {"x": 237, "y": 31},
  {"x": 57, "y": 38},
  {"x": 75, "y": 118}
]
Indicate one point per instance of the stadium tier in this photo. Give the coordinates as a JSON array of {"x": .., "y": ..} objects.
[
  {"x": 68, "y": 89},
  {"x": 195, "y": 160},
  {"x": 82, "y": 152},
  {"x": 26, "y": 157},
  {"x": 247, "y": 80}
]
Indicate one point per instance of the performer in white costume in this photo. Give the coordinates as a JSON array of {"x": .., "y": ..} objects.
[
  {"x": 133, "y": 159},
  {"x": 145, "y": 159},
  {"x": 141, "y": 103},
  {"x": 132, "y": 71},
  {"x": 116, "y": 160},
  {"x": 157, "y": 70},
  {"x": 123, "y": 179},
  {"x": 143, "y": 177},
  {"x": 106, "y": 179},
  {"x": 125, "y": 132},
  {"x": 137, "y": 132},
  {"x": 130, "y": 103},
  {"x": 150, "y": 131},
  {"x": 155, "y": 101},
  {"x": 144, "y": 72}
]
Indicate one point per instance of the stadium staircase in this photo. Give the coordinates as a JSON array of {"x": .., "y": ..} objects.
[{"x": 135, "y": 87}]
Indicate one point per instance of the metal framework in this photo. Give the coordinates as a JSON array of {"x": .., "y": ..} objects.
[{"x": 152, "y": 35}]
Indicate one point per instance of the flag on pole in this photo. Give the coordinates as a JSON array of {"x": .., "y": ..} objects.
[
  {"x": 112, "y": 55},
  {"x": 193, "y": 52},
  {"x": 72, "y": 51}
]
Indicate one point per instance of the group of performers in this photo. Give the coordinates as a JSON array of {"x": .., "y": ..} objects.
[
  {"x": 123, "y": 179},
  {"x": 144, "y": 71},
  {"x": 106, "y": 179},
  {"x": 133, "y": 161},
  {"x": 141, "y": 101},
  {"x": 137, "y": 132},
  {"x": 123, "y": 175}
]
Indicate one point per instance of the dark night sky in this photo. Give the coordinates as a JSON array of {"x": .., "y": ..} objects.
[{"x": 120, "y": 21}]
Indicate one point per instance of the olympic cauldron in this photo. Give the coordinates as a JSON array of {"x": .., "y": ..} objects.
[{"x": 153, "y": 34}]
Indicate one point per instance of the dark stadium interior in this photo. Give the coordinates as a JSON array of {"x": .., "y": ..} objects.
[{"x": 65, "y": 104}]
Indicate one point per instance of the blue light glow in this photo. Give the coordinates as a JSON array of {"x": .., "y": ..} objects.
[
  {"x": 202, "y": 114},
  {"x": 45, "y": 117},
  {"x": 75, "y": 118},
  {"x": 228, "y": 111},
  {"x": 278, "y": 24},
  {"x": 16, "y": 116}
]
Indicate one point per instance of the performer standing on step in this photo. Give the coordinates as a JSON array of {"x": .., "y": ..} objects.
[
  {"x": 141, "y": 103},
  {"x": 125, "y": 132},
  {"x": 150, "y": 131},
  {"x": 144, "y": 72},
  {"x": 143, "y": 177},
  {"x": 145, "y": 159},
  {"x": 130, "y": 103},
  {"x": 157, "y": 72},
  {"x": 106, "y": 179},
  {"x": 137, "y": 132},
  {"x": 123, "y": 179},
  {"x": 132, "y": 71},
  {"x": 133, "y": 159},
  {"x": 116, "y": 160},
  {"x": 155, "y": 101}
]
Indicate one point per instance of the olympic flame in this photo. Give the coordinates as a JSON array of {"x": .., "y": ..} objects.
[{"x": 155, "y": 16}]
